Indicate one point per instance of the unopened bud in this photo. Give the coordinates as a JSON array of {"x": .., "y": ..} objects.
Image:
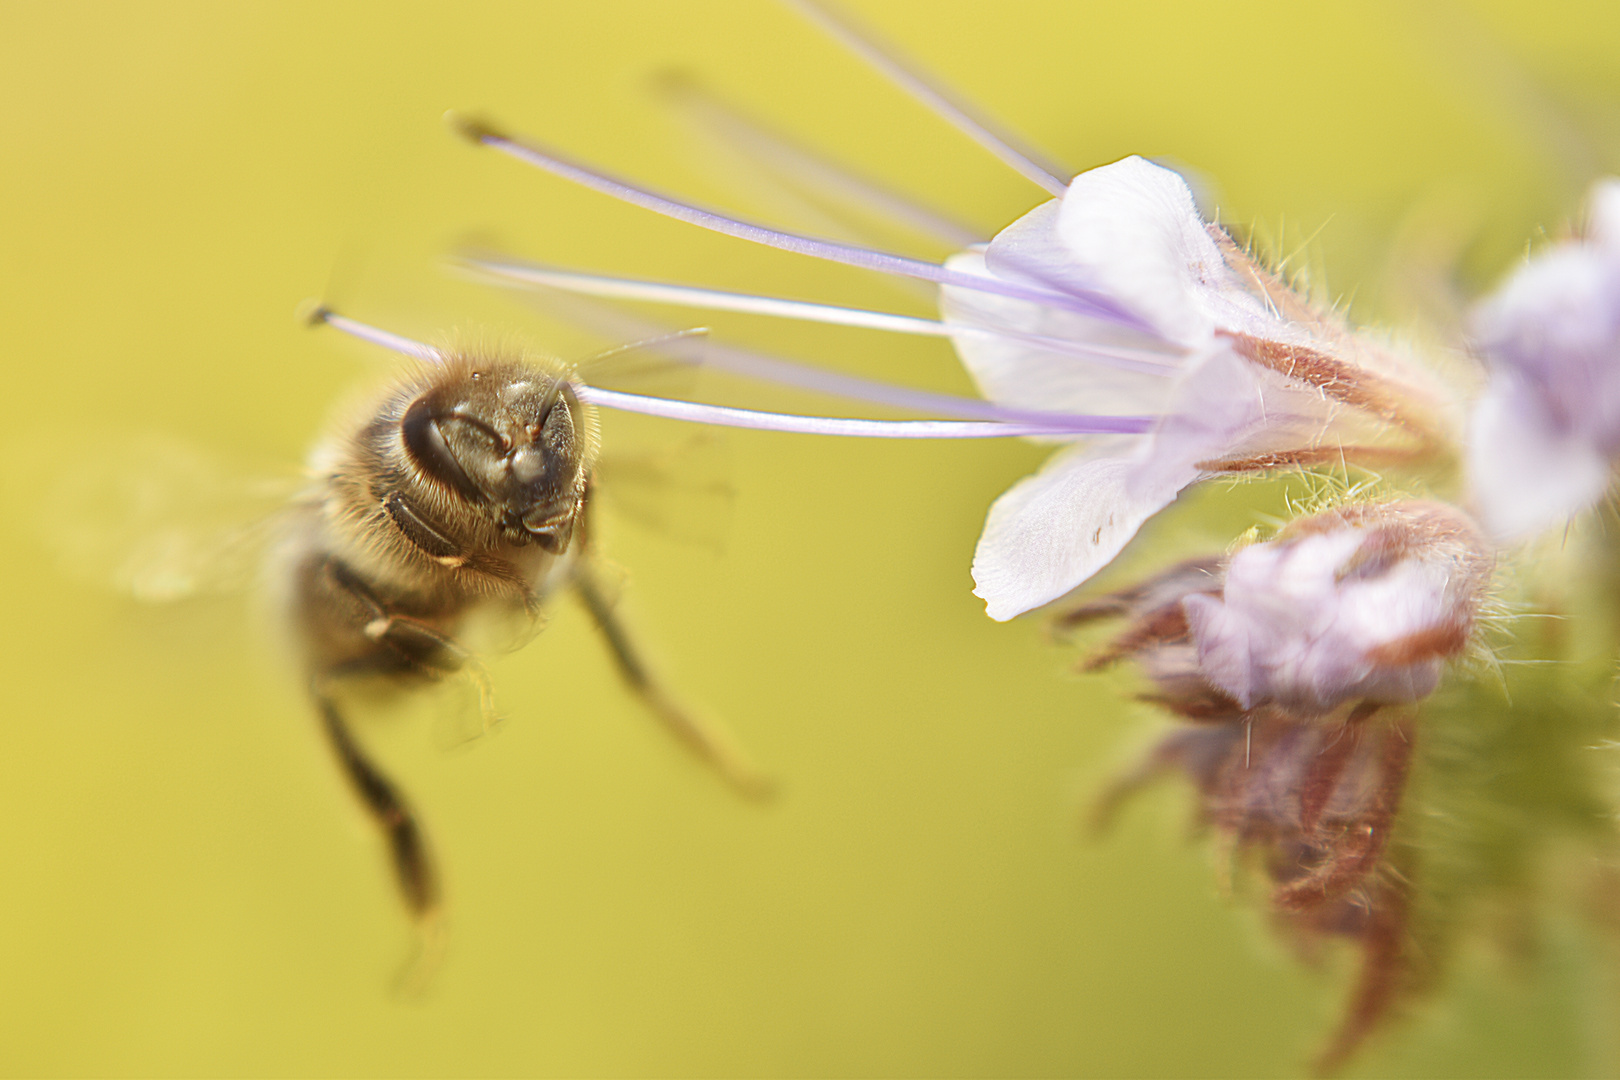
[{"x": 1363, "y": 603}]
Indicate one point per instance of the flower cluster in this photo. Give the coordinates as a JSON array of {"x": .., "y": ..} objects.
[
  {"x": 1297, "y": 663},
  {"x": 1115, "y": 322}
]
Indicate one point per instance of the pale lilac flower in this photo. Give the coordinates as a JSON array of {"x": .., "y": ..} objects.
[
  {"x": 1546, "y": 430},
  {"x": 1362, "y": 604},
  {"x": 1241, "y": 371}
]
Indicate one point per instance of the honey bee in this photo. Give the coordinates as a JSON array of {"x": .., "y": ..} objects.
[{"x": 463, "y": 487}]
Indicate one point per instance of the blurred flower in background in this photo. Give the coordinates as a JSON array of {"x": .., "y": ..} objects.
[
  {"x": 1296, "y": 661},
  {"x": 1546, "y": 430}
]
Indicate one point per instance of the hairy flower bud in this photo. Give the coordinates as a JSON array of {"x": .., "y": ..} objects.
[
  {"x": 1357, "y": 604},
  {"x": 1363, "y": 604},
  {"x": 1286, "y": 658}
]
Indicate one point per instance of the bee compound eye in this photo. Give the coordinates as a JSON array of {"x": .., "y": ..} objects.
[
  {"x": 556, "y": 432},
  {"x": 425, "y": 440}
]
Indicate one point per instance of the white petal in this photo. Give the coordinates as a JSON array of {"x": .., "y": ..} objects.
[
  {"x": 1526, "y": 473},
  {"x": 1051, "y": 531},
  {"x": 1021, "y": 375},
  {"x": 1132, "y": 227}
]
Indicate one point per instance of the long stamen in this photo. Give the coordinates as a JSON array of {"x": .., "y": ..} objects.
[
  {"x": 1075, "y": 299},
  {"x": 803, "y": 168},
  {"x": 615, "y": 323},
  {"x": 952, "y": 109},
  {"x": 320, "y": 314},
  {"x": 726, "y": 416},
  {"x": 658, "y": 292}
]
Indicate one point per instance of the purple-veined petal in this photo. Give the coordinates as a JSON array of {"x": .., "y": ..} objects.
[
  {"x": 1051, "y": 531},
  {"x": 999, "y": 342},
  {"x": 1225, "y": 407}
]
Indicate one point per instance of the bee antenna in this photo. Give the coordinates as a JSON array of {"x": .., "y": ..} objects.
[{"x": 674, "y": 337}]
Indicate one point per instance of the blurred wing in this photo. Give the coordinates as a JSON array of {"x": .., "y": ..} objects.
[
  {"x": 800, "y": 185},
  {"x": 149, "y": 515},
  {"x": 679, "y": 490},
  {"x": 658, "y": 360}
]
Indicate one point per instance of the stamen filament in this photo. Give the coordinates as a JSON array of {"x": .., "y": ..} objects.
[
  {"x": 1073, "y": 299},
  {"x": 659, "y": 292},
  {"x": 321, "y": 314},
  {"x": 953, "y": 110},
  {"x": 726, "y": 416},
  {"x": 766, "y": 368},
  {"x": 802, "y": 167},
  {"x": 1062, "y": 425}
]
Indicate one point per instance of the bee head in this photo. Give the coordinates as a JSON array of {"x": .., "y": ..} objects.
[{"x": 511, "y": 442}]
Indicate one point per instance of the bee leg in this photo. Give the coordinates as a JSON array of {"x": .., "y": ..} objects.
[
  {"x": 414, "y": 869},
  {"x": 711, "y": 743},
  {"x": 413, "y": 866},
  {"x": 415, "y": 525},
  {"x": 418, "y": 646}
]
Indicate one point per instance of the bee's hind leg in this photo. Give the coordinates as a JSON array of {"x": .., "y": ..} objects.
[
  {"x": 401, "y": 645},
  {"x": 709, "y": 741},
  {"x": 413, "y": 865},
  {"x": 415, "y": 873}
]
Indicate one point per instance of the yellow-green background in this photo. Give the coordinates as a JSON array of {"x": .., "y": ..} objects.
[{"x": 184, "y": 884}]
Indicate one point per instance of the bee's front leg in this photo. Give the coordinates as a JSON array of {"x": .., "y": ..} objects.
[
  {"x": 708, "y": 740},
  {"x": 415, "y": 525}
]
